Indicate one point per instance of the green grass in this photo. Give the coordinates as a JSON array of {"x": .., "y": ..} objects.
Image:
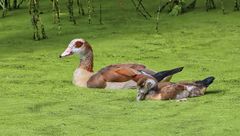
[{"x": 38, "y": 98}]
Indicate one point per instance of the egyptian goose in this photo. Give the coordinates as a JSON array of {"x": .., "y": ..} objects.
[
  {"x": 116, "y": 76},
  {"x": 150, "y": 88}
]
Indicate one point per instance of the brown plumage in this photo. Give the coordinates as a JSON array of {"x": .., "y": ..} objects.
[
  {"x": 113, "y": 76},
  {"x": 115, "y": 73},
  {"x": 148, "y": 88}
]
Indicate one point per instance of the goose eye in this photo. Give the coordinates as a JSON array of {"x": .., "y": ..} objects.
[{"x": 78, "y": 44}]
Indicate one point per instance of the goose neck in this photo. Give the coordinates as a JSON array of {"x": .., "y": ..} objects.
[{"x": 86, "y": 62}]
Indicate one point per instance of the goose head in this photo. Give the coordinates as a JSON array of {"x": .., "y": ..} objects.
[
  {"x": 145, "y": 85},
  {"x": 77, "y": 46}
]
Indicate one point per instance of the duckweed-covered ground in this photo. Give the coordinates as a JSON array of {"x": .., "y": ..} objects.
[{"x": 38, "y": 98}]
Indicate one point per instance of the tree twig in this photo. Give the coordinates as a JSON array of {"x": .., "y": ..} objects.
[{"x": 139, "y": 11}]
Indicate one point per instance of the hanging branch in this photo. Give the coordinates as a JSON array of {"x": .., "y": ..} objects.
[
  {"x": 139, "y": 11},
  {"x": 44, "y": 36},
  {"x": 35, "y": 15},
  {"x": 30, "y": 7},
  {"x": 223, "y": 9},
  {"x": 38, "y": 27},
  {"x": 170, "y": 4},
  {"x": 56, "y": 11},
  {"x": 237, "y": 5},
  {"x": 1, "y": 3},
  {"x": 20, "y": 3},
  {"x": 4, "y": 7},
  {"x": 213, "y": 4},
  {"x": 158, "y": 14},
  {"x": 14, "y": 4},
  {"x": 90, "y": 10},
  {"x": 140, "y": 4},
  {"x": 176, "y": 7},
  {"x": 71, "y": 12},
  {"x": 163, "y": 7},
  {"x": 100, "y": 12},
  {"x": 210, "y": 4},
  {"x": 80, "y": 8},
  {"x": 8, "y": 4},
  {"x": 56, "y": 14},
  {"x": 92, "y": 6},
  {"x": 207, "y": 4},
  {"x": 192, "y": 5}
]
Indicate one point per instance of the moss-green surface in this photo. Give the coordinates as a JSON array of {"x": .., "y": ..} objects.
[{"x": 38, "y": 98}]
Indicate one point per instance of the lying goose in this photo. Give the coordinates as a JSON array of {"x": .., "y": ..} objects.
[
  {"x": 116, "y": 76},
  {"x": 150, "y": 88}
]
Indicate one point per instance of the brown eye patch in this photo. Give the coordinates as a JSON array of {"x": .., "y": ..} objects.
[{"x": 78, "y": 44}]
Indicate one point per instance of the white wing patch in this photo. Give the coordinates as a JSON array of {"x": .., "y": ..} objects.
[
  {"x": 121, "y": 85},
  {"x": 190, "y": 88},
  {"x": 186, "y": 93},
  {"x": 144, "y": 73},
  {"x": 182, "y": 95},
  {"x": 151, "y": 81}
]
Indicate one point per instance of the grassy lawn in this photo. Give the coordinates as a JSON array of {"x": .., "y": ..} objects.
[{"x": 38, "y": 98}]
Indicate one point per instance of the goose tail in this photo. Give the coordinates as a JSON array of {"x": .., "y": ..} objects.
[
  {"x": 206, "y": 82},
  {"x": 162, "y": 74}
]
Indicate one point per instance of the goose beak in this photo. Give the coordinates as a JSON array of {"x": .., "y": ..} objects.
[
  {"x": 141, "y": 95},
  {"x": 66, "y": 53}
]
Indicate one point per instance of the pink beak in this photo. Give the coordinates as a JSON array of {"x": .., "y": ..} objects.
[{"x": 67, "y": 52}]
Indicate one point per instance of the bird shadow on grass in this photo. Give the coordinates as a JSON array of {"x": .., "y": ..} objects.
[
  {"x": 123, "y": 99},
  {"x": 212, "y": 92},
  {"x": 38, "y": 106},
  {"x": 133, "y": 99}
]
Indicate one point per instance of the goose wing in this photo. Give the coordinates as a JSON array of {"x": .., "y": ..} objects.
[
  {"x": 115, "y": 73},
  {"x": 118, "y": 72},
  {"x": 171, "y": 91}
]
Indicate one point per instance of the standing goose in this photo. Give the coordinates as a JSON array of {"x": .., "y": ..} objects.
[
  {"x": 116, "y": 76},
  {"x": 149, "y": 88}
]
